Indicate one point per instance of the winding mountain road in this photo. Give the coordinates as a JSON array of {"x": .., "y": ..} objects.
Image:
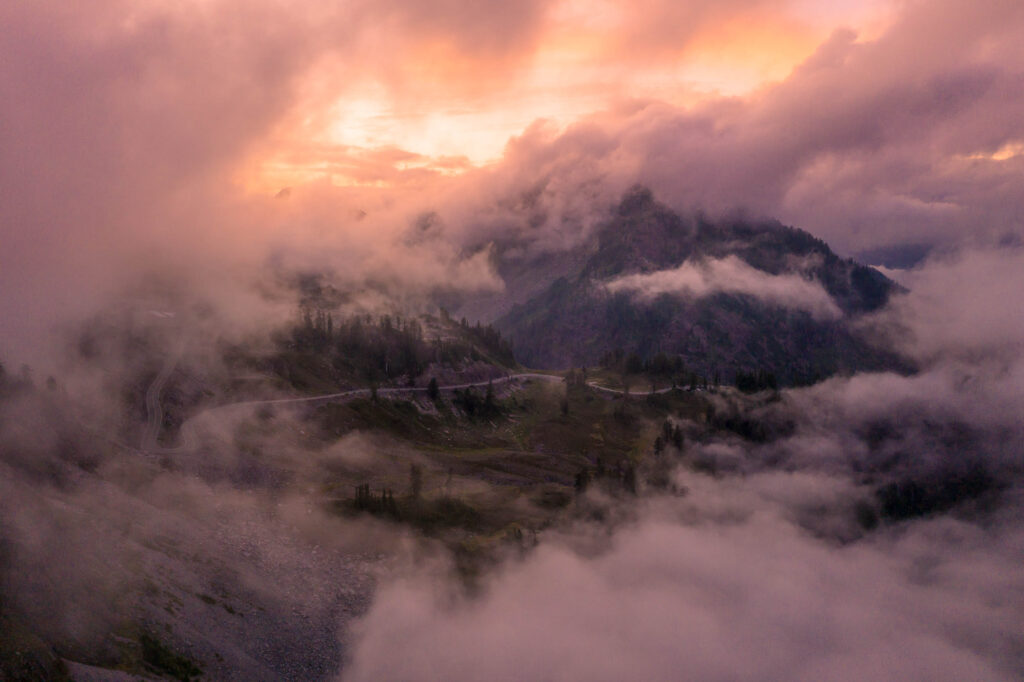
[{"x": 155, "y": 413}]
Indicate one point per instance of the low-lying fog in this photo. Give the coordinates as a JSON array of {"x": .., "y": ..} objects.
[
  {"x": 762, "y": 572},
  {"x": 787, "y": 563}
]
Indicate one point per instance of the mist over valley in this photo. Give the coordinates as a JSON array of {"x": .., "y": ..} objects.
[{"x": 414, "y": 341}]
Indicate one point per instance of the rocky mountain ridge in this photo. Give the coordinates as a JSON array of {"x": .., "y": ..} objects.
[{"x": 725, "y": 296}]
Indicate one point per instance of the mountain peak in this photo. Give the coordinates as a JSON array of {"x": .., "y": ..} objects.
[
  {"x": 642, "y": 235},
  {"x": 733, "y": 295},
  {"x": 637, "y": 199}
]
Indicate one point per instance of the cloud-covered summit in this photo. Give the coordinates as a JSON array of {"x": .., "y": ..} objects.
[{"x": 151, "y": 136}]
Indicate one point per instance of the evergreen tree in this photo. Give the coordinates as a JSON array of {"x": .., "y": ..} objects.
[
  {"x": 490, "y": 406},
  {"x": 629, "y": 479},
  {"x": 415, "y": 481},
  {"x": 582, "y": 480}
]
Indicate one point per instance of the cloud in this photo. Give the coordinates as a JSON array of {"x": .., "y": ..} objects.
[
  {"x": 132, "y": 135},
  {"x": 747, "y": 598},
  {"x": 969, "y": 321},
  {"x": 730, "y": 275},
  {"x": 767, "y": 570},
  {"x": 197, "y": 548},
  {"x": 125, "y": 129},
  {"x": 907, "y": 138}
]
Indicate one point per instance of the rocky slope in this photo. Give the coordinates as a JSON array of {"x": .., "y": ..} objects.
[{"x": 725, "y": 296}]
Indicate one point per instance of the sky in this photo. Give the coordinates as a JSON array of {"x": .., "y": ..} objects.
[
  {"x": 470, "y": 81},
  {"x": 215, "y": 136},
  {"x": 576, "y": 58}
]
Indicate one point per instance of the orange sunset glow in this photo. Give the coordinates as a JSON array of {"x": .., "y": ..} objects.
[{"x": 444, "y": 102}]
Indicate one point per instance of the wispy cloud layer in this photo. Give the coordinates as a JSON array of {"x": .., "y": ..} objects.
[{"x": 730, "y": 275}]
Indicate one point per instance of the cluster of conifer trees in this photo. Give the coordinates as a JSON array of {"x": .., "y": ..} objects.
[
  {"x": 758, "y": 380},
  {"x": 383, "y": 504},
  {"x": 670, "y": 435},
  {"x": 622, "y": 476},
  {"x": 661, "y": 365},
  {"x": 378, "y": 348},
  {"x": 669, "y": 368},
  {"x": 474, "y": 406},
  {"x": 488, "y": 337}
]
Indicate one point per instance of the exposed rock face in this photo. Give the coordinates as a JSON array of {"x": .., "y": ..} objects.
[{"x": 726, "y": 296}]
